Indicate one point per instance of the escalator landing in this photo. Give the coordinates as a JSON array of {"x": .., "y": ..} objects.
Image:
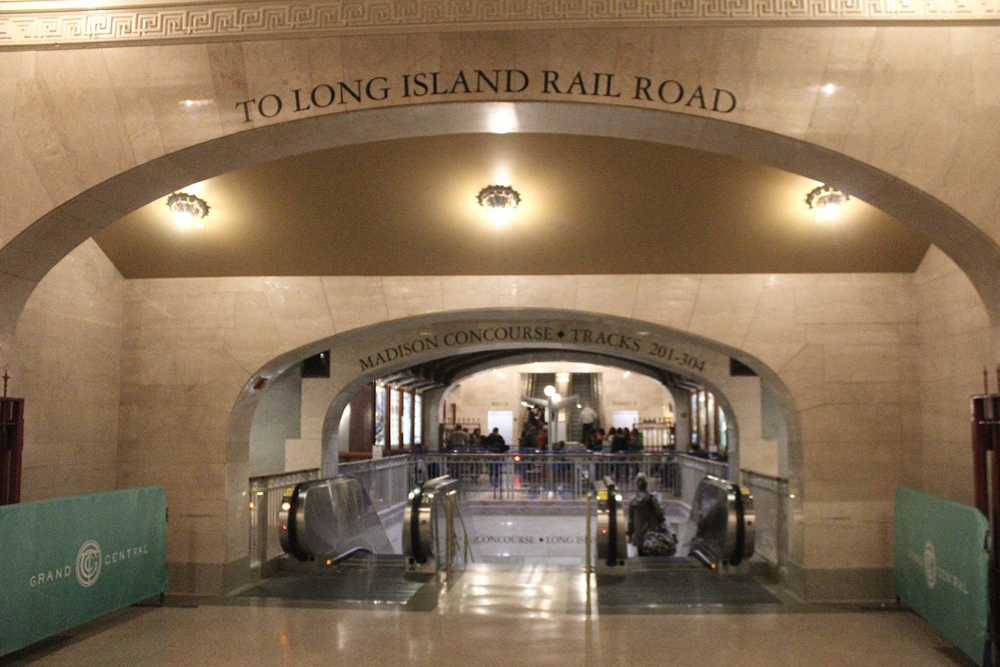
[
  {"x": 649, "y": 586},
  {"x": 362, "y": 580},
  {"x": 664, "y": 583}
]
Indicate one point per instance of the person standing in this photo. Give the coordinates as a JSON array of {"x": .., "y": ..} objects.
[
  {"x": 647, "y": 529},
  {"x": 636, "y": 444},
  {"x": 459, "y": 439},
  {"x": 495, "y": 444},
  {"x": 598, "y": 441},
  {"x": 588, "y": 419}
]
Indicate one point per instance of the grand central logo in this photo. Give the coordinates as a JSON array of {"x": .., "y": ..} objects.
[
  {"x": 88, "y": 564},
  {"x": 90, "y": 561},
  {"x": 930, "y": 564},
  {"x": 933, "y": 572}
]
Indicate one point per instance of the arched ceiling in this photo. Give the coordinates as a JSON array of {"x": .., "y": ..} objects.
[{"x": 591, "y": 205}]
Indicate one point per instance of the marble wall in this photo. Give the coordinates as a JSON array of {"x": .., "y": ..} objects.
[
  {"x": 498, "y": 389},
  {"x": 634, "y": 392},
  {"x": 957, "y": 342},
  {"x": 910, "y": 103},
  {"x": 277, "y": 419},
  {"x": 66, "y": 364},
  {"x": 307, "y": 451}
]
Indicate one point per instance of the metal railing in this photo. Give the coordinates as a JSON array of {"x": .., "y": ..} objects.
[
  {"x": 693, "y": 469},
  {"x": 770, "y": 498},
  {"x": 564, "y": 476},
  {"x": 657, "y": 437},
  {"x": 386, "y": 481},
  {"x": 265, "y": 503},
  {"x": 523, "y": 476}
]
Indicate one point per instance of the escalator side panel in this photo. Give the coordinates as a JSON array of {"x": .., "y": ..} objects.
[
  {"x": 331, "y": 516},
  {"x": 722, "y": 533},
  {"x": 426, "y": 530}
]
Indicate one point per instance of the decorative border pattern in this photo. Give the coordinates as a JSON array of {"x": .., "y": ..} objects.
[{"x": 234, "y": 20}]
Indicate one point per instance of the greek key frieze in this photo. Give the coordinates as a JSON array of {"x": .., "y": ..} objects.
[{"x": 344, "y": 17}]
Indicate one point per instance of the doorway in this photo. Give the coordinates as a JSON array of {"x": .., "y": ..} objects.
[{"x": 502, "y": 420}]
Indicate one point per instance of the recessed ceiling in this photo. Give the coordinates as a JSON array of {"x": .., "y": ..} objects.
[{"x": 589, "y": 206}]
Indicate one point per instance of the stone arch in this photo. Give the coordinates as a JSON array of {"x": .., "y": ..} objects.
[
  {"x": 362, "y": 355},
  {"x": 30, "y": 255}
]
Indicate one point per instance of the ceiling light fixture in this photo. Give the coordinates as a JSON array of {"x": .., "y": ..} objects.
[
  {"x": 189, "y": 210},
  {"x": 826, "y": 201},
  {"x": 498, "y": 197}
]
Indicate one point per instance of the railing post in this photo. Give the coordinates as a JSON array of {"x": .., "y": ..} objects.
[
  {"x": 449, "y": 522},
  {"x": 588, "y": 562},
  {"x": 390, "y": 486},
  {"x": 261, "y": 522}
]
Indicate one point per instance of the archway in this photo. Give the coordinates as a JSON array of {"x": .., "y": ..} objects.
[
  {"x": 360, "y": 356},
  {"x": 670, "y": 383},
  {"x": 29, "y": 256},
  {"x": 462, "y": 367}
]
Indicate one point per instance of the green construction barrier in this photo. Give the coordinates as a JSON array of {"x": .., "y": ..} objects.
[
  {"x": 940, "y": 562},
  {"x": 66, "y": 561}
]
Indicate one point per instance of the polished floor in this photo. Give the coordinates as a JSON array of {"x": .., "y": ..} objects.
[{"x": 497, "y": 616}]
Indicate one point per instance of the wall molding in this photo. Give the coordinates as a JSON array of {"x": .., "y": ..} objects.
[{"x": 137, "y": 24}]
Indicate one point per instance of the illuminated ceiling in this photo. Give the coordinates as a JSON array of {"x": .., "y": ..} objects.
[{"x": 589, "y": 205}]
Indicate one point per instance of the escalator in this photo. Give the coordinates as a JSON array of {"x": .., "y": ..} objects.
[
  {"x": 344, "y": 556},
  {"x": 330, "y": 519},
  {"x": 717, "y": 537},
  {"x": 718, "y": 533},
  {"x": 341, "y": 554},
  {"x": 437, "y": 534}
]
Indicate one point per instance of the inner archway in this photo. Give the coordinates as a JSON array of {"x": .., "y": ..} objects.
[{"x": 364, "y": 355}]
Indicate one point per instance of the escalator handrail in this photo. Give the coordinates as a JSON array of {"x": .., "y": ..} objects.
[
  {"x": 612, "y": 525},
  {"x": 291, "y": 525},
  {"x": 737, "y": 556},
  {"x": 416, "y": 501}
]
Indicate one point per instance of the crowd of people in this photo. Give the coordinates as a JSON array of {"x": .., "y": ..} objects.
[
  {"x": 535, "y": 437},
  {"x": 615, "y": 440},
  {"x": 461, "y": 440}
]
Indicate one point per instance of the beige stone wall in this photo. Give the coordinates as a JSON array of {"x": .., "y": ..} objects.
[
  {"x": 307, "y": 451},
  {"x": 912, "y": 103},
  {"x": 498, "y": 389},
  {"x": 179, "y": 383},
  {"x": 956, "y": 343},
  {"x": 633, "y": 392},
  {"x": 66, "y": 364}
]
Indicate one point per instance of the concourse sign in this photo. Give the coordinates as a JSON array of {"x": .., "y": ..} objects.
[
  {"x": 66, "y": 561},
  {"x": 940, "y": 562}
]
